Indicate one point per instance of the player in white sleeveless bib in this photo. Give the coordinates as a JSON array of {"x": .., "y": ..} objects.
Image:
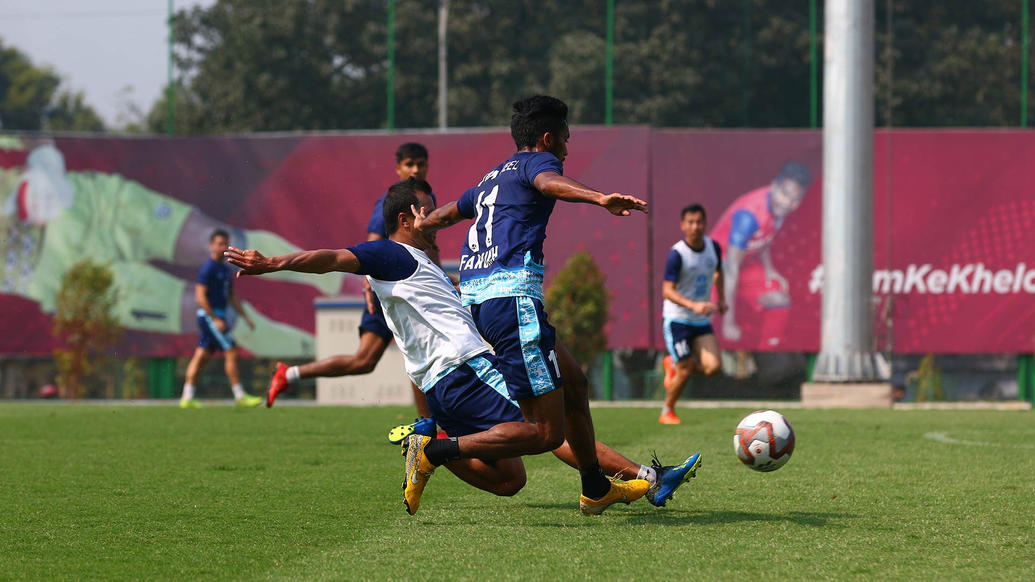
[
  {"x": 446, "y": 358},
  {"x": 693, "y": 266}
]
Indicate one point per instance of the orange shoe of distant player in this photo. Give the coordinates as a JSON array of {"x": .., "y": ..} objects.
[
  {"x": 441, "y": 434},
  {"x": 670, "y": 370},
  {"x": 669, "y": 418},
  {"x": 278, "y": 384}
]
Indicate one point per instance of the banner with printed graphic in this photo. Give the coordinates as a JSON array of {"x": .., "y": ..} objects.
[{"x": 954, "y": 253}]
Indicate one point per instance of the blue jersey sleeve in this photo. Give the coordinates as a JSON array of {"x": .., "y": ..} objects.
[
  {"x": 718, "y": 254},
  {"x": 539, "y": 163},
  {"x": 465, "y": 205},
  {"x": 673, "y": 264},
  {"x": 384, "y": 259},
  {"x": 742, "y": 227},
  {"x": 376, "y": 225}
]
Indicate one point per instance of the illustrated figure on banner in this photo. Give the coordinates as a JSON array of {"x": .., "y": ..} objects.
[
  {"x": 746, "y": 230},
  {"x": 51, "y": 219}
]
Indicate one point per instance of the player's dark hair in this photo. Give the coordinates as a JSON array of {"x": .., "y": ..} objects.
[
  {"x": 401, "y": 196},
  {"x": 693, "y": 208},
  {"x": 795, "y": 171},
  {"x": 218, "y": 232},
  {"x": 535, "y": 116},
  {"x": 412, "y": 150}
]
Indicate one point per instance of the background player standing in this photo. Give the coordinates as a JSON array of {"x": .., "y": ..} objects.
[
  {"x": 214, "y": 292},
  {"x": 694, "y": 264}
]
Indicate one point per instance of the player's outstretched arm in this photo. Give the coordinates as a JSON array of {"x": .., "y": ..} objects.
[
  {"x": 442, "y": 217},
  {"x": 252, "y": 262},
  {"x": 560, "y": 187}
]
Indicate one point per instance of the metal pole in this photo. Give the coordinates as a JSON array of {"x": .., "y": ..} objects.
[
  {"x": 170, "y": 93},
  {"x": 813, "y": 69},
  {"x": 1024, "y": 63},
  {"x": 847, "y": 347},
  {"x": 443, "y": 82},
  {"x": 609, "y": 66},
  {"x": 390, "y": 74}
]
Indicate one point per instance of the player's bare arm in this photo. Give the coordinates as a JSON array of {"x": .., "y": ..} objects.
[
  {"x": 554, "y": 185},
  {"x": 252, "y": 262},
  {"x": 668, "y": 291},
  {"x": 441, "y": 217}
]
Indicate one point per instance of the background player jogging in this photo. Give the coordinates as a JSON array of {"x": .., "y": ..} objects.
[{"x": 693, "y": 264}]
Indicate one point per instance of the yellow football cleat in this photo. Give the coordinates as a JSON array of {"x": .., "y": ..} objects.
[
  {"x": 418, "y": 471},
  {"x": 621, "y": 491}
]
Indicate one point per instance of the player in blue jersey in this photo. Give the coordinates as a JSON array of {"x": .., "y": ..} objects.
[
  {"x": 446, "y": 357},
  {"x": 501, "y": 277},
  {"x": 215, "y": 294},
  {"x": 411, "y": 161},
  {"x": 694, "y": 264}
]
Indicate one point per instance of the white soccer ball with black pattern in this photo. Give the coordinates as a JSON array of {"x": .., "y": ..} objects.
[{"x": 764, "y": 440}]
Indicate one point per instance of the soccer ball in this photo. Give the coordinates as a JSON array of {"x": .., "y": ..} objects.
[{"x": 764, "y": 440}]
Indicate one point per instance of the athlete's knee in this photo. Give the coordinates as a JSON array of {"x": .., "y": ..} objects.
[
  {"x": 510, "y": 487},
  {"x": 710, "y": 368}
]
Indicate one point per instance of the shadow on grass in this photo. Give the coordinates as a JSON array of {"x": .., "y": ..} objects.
[{"x": 662, "y": 516}]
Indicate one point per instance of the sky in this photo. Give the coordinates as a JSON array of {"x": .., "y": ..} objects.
[{"x": 114, "y": 51}]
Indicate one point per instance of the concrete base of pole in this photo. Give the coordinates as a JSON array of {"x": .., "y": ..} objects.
[{"x": 846, "y": 395}]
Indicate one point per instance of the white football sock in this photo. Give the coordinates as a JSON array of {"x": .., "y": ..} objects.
[
  {"x": 647, "y": 473},
  {"x": 238, "y": 391},
  {"x": 292, "y": 374},
  {"x": 188, "y": 392}
]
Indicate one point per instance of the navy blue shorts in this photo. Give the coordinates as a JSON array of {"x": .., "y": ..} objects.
[
  {"x": 210, "y": 338},
  {"x": 679, "y": 337},
  {"x": 524, "y": 341},
  {"x": 375, "y": 322},
  {"x": 472, "y": 398}
]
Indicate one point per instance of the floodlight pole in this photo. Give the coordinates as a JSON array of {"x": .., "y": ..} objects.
[
  {"x": 609, "y": 65},
  {"x": 847, "y": 351},
  {"x": 390, "y": 73},
  {"x": 170, "y": 110},
  {"x": 443, "y": 82}
]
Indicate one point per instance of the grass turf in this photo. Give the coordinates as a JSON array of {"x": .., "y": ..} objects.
[{"x": 313, "y": 493}]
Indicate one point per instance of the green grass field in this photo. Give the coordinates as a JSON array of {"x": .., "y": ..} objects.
[{"x": 313, "y": 493}]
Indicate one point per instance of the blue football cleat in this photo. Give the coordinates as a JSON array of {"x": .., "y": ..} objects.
[
  {"x": 670, "y": 478},
  {"x": 420, "y": 425}
]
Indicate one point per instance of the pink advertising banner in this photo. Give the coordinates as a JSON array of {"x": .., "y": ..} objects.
[{"x": 954, "y": 257}]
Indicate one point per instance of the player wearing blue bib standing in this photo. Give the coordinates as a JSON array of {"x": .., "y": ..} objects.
[
  {"x": 694, "y": 264},
  {"x": 214, "y": 292},
  {"x": 411, "y": 161},
  {"x": 446, "y": 357},
  {"x": 501, "y": 278}
]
